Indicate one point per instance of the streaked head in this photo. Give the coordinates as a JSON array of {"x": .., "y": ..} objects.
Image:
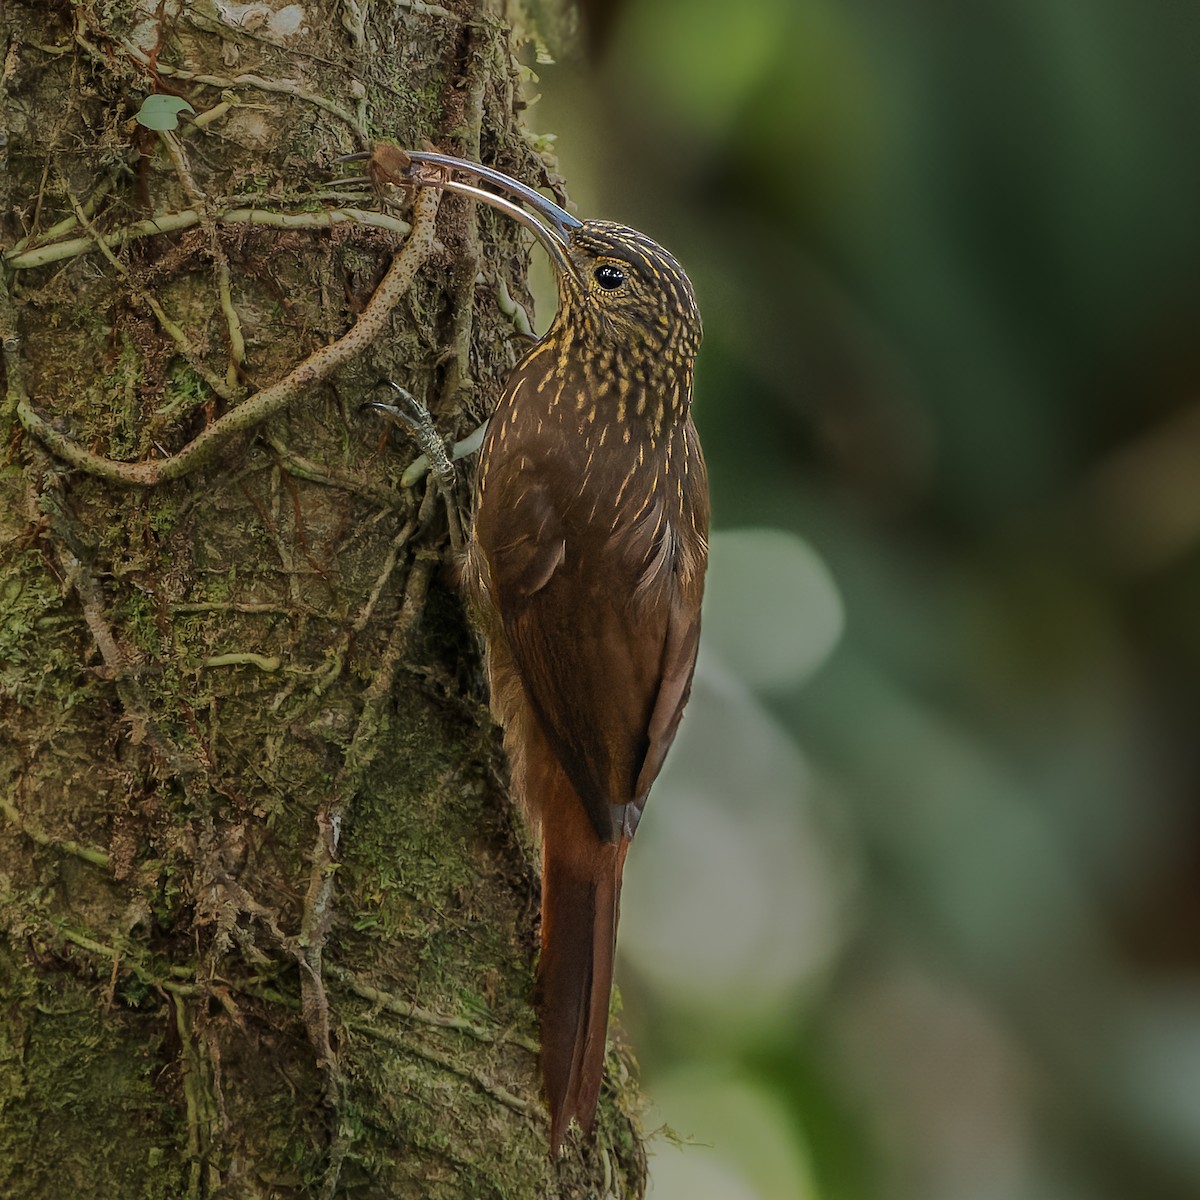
[{"x": 613, "y": 281}]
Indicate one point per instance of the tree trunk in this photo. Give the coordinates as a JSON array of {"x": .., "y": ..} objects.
[{"x": 266, "y": 913}]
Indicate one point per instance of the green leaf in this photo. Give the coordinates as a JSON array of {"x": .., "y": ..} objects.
[{"x": 162, "y": 112}]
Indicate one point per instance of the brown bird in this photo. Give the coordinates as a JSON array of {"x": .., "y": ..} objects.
[{"x": 585, "y": 565}]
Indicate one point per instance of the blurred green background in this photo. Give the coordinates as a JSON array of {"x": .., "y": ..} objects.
[{"x": 915, "y": 911}]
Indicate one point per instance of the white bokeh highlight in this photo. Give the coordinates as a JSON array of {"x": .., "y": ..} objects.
[{"x": 772, "y": 612}]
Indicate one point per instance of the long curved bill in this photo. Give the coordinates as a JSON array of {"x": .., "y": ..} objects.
[{"x": 548, "y": 222}]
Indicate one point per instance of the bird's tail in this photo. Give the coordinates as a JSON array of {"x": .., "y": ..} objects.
[{"x": 581, "y": 895}]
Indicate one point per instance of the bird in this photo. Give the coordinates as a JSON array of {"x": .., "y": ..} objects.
[{"x": 584, "y": 568}]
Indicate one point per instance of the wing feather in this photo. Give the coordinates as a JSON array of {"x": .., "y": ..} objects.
[{"x": 602, "y": 622}]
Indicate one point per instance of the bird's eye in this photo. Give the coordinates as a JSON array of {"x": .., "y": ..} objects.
[{"x": 609, "y": 277}]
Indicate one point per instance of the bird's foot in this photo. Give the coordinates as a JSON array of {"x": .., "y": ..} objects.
[
  {"x": 410, "y": 413},
  {"x": 414, "y": 416}
]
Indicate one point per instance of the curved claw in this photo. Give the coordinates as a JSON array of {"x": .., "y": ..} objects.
[
  {"x": 410, "y": 410},
  {"x": 411, "y": 413}
]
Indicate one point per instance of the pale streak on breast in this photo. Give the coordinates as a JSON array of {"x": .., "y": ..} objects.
[
  {"x": 645, "y": 504},
  {"x": 621, "y": 492}
]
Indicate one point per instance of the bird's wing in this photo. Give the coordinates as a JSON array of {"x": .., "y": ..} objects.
[
  {"x": 600, "y": 629},
  {"x": 683, "y": 626}
]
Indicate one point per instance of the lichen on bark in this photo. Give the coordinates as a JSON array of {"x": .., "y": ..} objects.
[{"x": 266, "y": 914}]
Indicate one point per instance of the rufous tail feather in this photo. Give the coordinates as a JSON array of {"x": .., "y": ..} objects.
[{"x": 581, "y": 892}]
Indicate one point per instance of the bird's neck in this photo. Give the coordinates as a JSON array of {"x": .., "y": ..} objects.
[
  {"x": 595, "y": 386},
  {"x": 610, "y": 361}
]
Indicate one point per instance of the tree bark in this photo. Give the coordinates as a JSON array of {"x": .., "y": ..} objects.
[{"x": 266, "y": 913}]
